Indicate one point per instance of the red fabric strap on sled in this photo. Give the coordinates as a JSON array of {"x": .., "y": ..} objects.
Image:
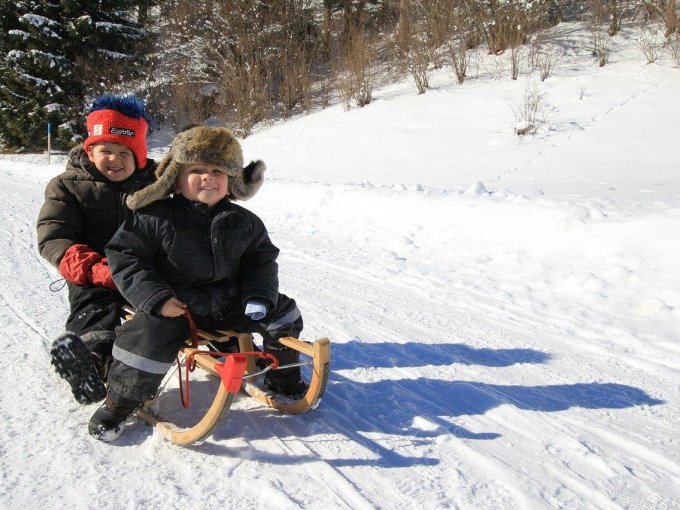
[{"x": 231, "y": 371}]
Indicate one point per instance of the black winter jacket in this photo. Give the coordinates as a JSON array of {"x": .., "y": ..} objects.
[
  {"x": 209, "y": 259},
  {"x": 83, "y": 207}
]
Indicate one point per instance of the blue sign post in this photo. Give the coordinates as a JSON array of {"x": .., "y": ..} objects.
[{"x": 49, "y": 142}]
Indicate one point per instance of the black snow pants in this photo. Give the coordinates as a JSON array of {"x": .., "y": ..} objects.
[
  {"x": 94, "y": 309},
  {"x": 147, "y": 345}
]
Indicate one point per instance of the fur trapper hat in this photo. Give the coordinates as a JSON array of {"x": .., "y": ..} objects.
[{"x": 203, "y": 145}]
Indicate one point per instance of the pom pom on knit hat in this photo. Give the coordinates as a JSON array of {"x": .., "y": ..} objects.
[{"x": 119, "y": 119}]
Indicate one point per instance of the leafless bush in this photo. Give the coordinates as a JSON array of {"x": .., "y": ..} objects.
[
  {"x": 244, "y": 95},
  {"x": 190, "y": 103},
  {"x": 296, "y": 46},
  {"x": 614, "y": 9},
  {"x": 599, "y": 32},
  {"x": 533, "y": 51},
  {"x": 581, "y": 90},
  {"x": 460, "y": 58},
  {"x": 673, "y": 44},
  {"x": 516, "y": 52},
  {"x": 600, "y": 41},
  {"x": 506, "y": 24},
  {"x": 546, "y": 60},
  {"x": 464, "y": 36},
  {"x": 295, "y": 81},
  {"x": 473, "y": 64},
  {"x": 356, "y": 79},
  {"x": 404, "y": 27},
  {"x": 418, "y": 63},
  {"x": 435, "y": 22},
  {"x": 325, "y": 88},
  {"x": 495, "y": 66},
  {"x": 648, "y": 42},
  {"x": 530, "y": 110},
  {"x": 667, "y": 11}
]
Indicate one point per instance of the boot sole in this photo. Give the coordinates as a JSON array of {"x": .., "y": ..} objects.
[{"x": 73, "y": 362}]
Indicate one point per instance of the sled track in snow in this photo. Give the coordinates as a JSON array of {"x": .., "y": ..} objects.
[{"x": 357, "y": 299}]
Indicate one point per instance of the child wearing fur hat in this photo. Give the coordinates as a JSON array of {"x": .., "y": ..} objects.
[
  {"x": 189, "y": 247},
  {"x": 83, "y": 208}
]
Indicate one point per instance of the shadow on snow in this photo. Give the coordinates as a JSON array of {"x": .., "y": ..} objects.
[
  {"x": 358, "y": 354},
  {"x": 414, "y": 410}
]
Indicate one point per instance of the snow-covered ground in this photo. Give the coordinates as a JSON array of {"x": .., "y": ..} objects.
[{"x": 503, "y": 313}]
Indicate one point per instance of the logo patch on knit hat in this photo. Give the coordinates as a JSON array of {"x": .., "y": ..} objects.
[
  {"x": 121, "y": 131},
  {"x": 97, "y": 129}
]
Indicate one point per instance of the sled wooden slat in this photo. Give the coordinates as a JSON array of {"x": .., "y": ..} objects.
[
  {"x": 298, "y": 345},
  {"x": 185, "y": 436},
  {"x": 320, "y": 352}
]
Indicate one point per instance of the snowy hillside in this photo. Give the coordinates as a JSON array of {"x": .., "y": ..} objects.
[{"x": 504, "y": 313}]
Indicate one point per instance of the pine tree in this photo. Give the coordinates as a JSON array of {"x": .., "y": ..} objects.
[{"x": 58, "y": 54}]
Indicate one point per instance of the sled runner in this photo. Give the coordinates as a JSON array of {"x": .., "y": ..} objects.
[{"x": 239, "y": 371}]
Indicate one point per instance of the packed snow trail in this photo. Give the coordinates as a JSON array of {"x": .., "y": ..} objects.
[{"x": 458, "y": 386}]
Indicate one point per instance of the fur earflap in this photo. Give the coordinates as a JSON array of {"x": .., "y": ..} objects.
[{"x": 205, "y": 145}]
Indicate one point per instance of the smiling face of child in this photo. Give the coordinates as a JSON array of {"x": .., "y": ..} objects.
[
  {"x": 114, "y": 161},
  {"x": 203, "y": 183}
]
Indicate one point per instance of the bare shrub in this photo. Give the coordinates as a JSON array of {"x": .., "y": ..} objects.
[
  {"x": 533, "y": 51},
  {"x": 190, "y": 103},
  {"x": 295, "y": 80},
  {"x": 546, "y": 60},
  {"x": 600, "y": 41},
  {"x": 530, "y": 111},
  {"x": 599, "y": 32},
  {"x": 508, "y": 23},
  {"x": 648, "y": 42},
  {"x": 244, "y": 93},
  {"x": 325, "y": 89},
  {"x": 473, "y": 64},
  {"x": 614, "y": 10},
  {"x": 435, "y": 23},
  {"x": 356, "y": 79},
  {"x": 496, "y": 68},
  {"x": 464, "y": 36},
  {"x": 418, "y": 63},
  {"x": 460, "y": 59},
  {"x": 404, "y": 27},
  {"x": 673, "y": 44},
  {"x": 581, "y": 91},
  {"x": 667, "y": 11},
  {"x": 516, "y": 52}
]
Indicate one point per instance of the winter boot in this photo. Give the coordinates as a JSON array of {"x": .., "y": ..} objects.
[
  {"x": 287, "y": 381},
  {"x": 108, "y": 422},
  {"x": 100, "y": 345},
  {"x": 75, "y": 364}
]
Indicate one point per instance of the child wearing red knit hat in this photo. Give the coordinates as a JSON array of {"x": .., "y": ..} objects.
[{"x": 83, "y": 208}]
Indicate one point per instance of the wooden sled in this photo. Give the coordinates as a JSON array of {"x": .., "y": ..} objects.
[{"x": 236, "y": 371}]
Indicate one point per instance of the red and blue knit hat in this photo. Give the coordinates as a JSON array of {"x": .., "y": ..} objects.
[{"x": 118, "y": 119}]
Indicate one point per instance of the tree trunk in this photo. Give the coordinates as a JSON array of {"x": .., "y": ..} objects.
[{"x": 404, "y": 26}]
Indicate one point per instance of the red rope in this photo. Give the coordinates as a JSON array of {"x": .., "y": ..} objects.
[
  {"x": 193, "y": 330},
  {"x": 193, "y": 335}
]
